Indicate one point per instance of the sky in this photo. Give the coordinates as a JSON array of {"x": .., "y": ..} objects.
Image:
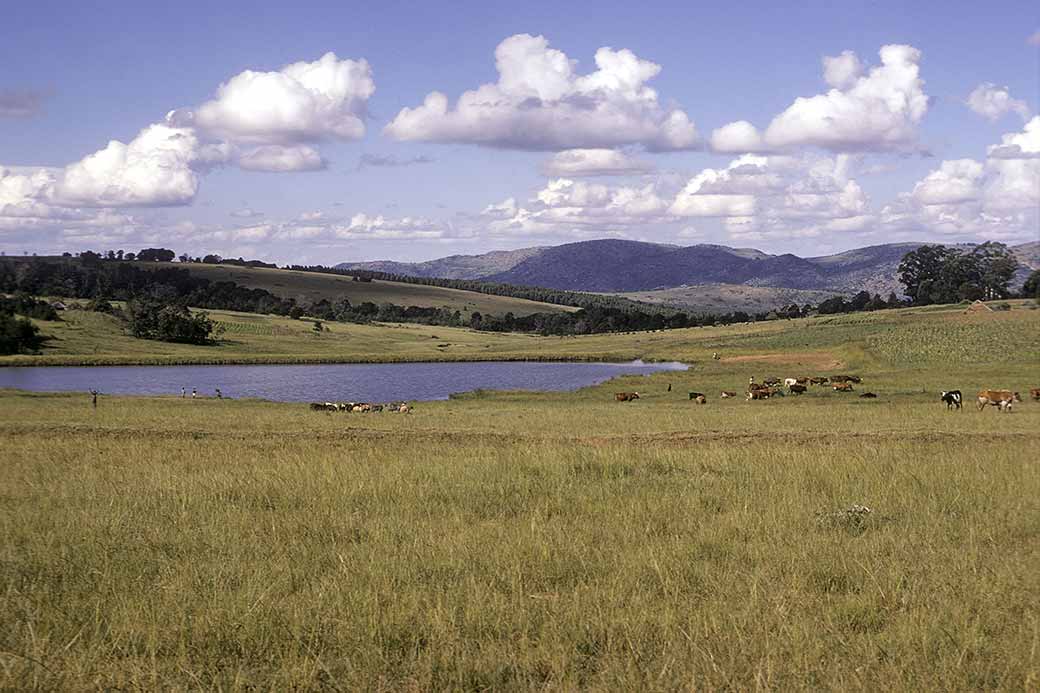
[{"x": 304, "y": 133}]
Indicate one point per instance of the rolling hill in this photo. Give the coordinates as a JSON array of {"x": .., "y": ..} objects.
[{"x": 313, "y": 286}]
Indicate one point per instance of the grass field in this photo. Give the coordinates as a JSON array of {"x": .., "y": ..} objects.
[
  {"x": 313, "y": 286},
  {"x": 519, "y": 540},
  {"x": 726, "y": 298}
]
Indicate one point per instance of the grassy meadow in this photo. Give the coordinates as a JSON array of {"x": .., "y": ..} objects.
[{"x": 561, "y": 541}]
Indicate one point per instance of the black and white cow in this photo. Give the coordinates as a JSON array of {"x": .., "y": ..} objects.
[{"x": 952, "y": 399}]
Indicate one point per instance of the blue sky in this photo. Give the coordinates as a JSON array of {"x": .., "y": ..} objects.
[{"x": 938, "y": 141}]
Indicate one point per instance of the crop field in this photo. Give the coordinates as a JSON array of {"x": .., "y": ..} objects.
[
  {"x": 314, "y": 286},
  {"x": 543, "y": 541}
]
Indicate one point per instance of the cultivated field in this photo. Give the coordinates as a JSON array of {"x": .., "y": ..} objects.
[
  {"x": 313, "y": 286},
  {"x": 518, "y": 541},
  {"x": 726, "y": 298}
]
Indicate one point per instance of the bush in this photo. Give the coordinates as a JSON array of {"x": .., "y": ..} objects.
[
  {"x": 18, "y": 335},
  {"x": 150, "y": 319}
]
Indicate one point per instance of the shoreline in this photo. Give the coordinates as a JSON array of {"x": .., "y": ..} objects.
[{"x": 289, "y": 360}]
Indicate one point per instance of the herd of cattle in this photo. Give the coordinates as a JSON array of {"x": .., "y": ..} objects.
[
  {"x": 361, "y": 407},
  {"x": 774, "y": 387}
]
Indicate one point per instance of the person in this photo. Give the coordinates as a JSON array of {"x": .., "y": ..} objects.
[
  {"x": 94, "y": 394},
  {"x": 183, "y": 392},
  {"x": 669, "y": 387},
  {"x": 219, "y": 396},
  {"x": 194, "y": 393}
]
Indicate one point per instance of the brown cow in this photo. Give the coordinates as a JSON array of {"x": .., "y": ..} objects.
[
  {"x": 998, "y": 398},
  {"x": 727, "y": 395},
  {"x": 626, "y": 396},
  {"x": 842, "y": 386},
  {"x": 762, "y": 393},
  {"x": 797, "y": 389},
  {"x": 1034, "y": 392},
  {"x": 771, "y": 381},
  {"x": 822, "y": 380},
  {"x": 695, "y": 395},
  {"x": 700, "y": 399}
]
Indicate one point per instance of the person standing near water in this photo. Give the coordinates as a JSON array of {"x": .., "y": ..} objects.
[
  {"x": 183, "y": 392},
  {"x": 219, "y": 396},
  {"x": 194, "y": 393},
  {"x": 93, "y": 401}
]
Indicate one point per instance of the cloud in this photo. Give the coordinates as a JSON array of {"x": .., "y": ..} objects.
[
  {"x": 876, "y": 111},
  {"x": 275, "y": 158},
  {"x": 952, "y": 183},
  {"x": 540, "y": 104},
  {"x": 577, "y": 163},
  {"x": 993, "y": 102},
  {"x": 997, "y": 199},
  {"x": 389, "y": 160},
  {"x": 20, "y": 103},
  {"x": 363, "y": 226},
  {"x": 737, "y": 138},
  {"x": 1034, "y": 39},
  {"x": 302, "y": 102},
  {"x": 246, "y": 213}
]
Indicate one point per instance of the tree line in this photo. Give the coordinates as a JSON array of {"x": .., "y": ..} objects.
[{"x": 941, "y": 274}]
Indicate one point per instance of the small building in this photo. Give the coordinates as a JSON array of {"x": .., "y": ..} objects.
[
  {"x": 978, "y": 307},
  {"x": 58, "y": 305}
]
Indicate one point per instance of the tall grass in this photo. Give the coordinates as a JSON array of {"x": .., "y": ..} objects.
[{"x": 238, "y": 545}]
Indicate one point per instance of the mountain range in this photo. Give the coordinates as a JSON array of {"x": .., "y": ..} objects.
[{"x": 657, "y": 272}]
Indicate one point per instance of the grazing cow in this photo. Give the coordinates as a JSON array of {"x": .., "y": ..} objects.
[
  {"x": 822, "y": 380},
  {"x": 868, "y": 395},
  {"x": 842, "y": 386},
  {"x": 788, "y": 382},
  {"x": 727, "y": 395},
  {"x": 951, "y": 398},
  {"x": 700, "y": 399},
  {"x": 797, "y": 389},
  {"x": 763, "y": 393},
  {"x": 695, "y": 395},
  {"x": 996, "y": 397},
  {"x": 771, "y": 382},
  {"x": 855, "y": 379},
  {"x": 404, "y": 409},
  {"x": 625, "y": 396},
  {"x": 377, "y": 407},
  {"x": 1034, "y": 392},
  {"x": 317, "y": 406}
]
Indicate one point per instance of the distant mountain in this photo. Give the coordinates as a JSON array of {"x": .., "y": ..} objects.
[{"x": 618, "y": 266}]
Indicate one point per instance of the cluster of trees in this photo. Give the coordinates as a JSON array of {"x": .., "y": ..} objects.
[
  {"x": 149, "y": 318},
  {"x": 940, "y": 274},
  {"x": 17, "y": 334},
  {"x": 860, "y": 302}
]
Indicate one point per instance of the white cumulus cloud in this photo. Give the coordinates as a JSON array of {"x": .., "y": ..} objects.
[
  {"x": 874, "y": 111},
  {"x": 993, "y": 102},
  {"x": 577, "y": 163},
  {"x": 540, "y": 103},
  {"x": 276, "y": 158}
]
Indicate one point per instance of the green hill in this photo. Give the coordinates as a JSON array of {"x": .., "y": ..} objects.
[{"x": 314, "y": 286}]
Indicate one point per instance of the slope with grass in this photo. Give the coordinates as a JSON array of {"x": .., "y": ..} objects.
[
  {"x": 313, "y": 286},
  {"x": 533, "y": 541},
  {"x": 884, "y": 339}
]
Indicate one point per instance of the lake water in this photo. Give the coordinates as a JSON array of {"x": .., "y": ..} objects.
[{"x": 334, "y": 382}]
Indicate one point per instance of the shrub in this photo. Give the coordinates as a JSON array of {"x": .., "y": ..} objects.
[
  {"x": 18, "y": 335},
  {"x": 149, "y": 319}
]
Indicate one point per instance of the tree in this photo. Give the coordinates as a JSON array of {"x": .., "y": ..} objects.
[
  {"x": 211, "y": 259},
  {"x": 18, "y": 335},
  {"x": 997, "y": 265},
  {"x": 921, "y": 270},
  {"x": 156, "y": 255},
  {"x": 859, "y": 301},
  {"x": 1031, "y": 289},
  {"x": 151, "y": 319},
  {"x": 837, "y": 304},
  {"x": 130, "y": 257}
]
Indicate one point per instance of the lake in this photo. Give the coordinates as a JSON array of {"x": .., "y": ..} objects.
[{"x": 332, "y": 382}]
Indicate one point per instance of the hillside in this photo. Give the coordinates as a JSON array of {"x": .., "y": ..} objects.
[
  {"x": 631, "y": 267},
  {"x": 726, "y": 298},
  {"x": 314, "y": 286}
]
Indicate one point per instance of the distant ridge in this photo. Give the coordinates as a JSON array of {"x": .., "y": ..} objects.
[{"x": 620, "y": 266}]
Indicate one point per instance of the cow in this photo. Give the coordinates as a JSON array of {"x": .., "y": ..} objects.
[
  {"x": 788, "y": 382},
  {"x": 727, "y": 395},
  {"x": 700, "y": 399},
  {"x": 763, "y": 393},
  {"x": 1034, "y": 392},
  {"x": 625, "y": 396},
  {"x": 822, "y": 380},
  {"x": 868, "y": 395},
  {"x": 771, "y": 382},
  {"x": 855, "y": 379},
  {"x": 377, "y": 407},
  {"x": 695, "y": 395},
  {"x": 1005, "y": 405},
  {"x": 317, "y": 406},
  {"x": 842, "y": 386},
  {"x": 951, "y": 398},
  {"x": 996, "y": 397},
  {"x": 796, "y": 389}
]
